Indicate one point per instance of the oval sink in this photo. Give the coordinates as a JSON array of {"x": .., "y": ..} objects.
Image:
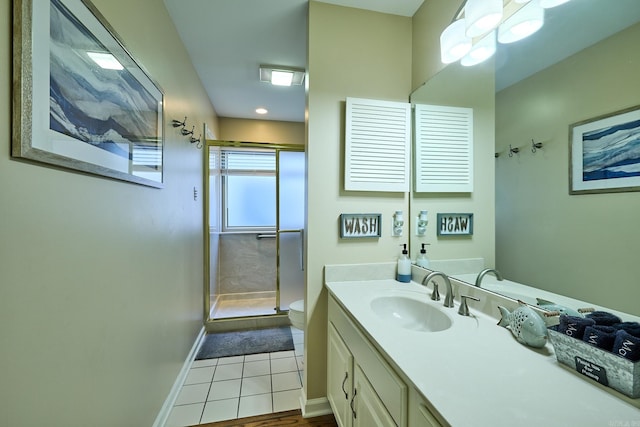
[{"x": 409, "y": 313}]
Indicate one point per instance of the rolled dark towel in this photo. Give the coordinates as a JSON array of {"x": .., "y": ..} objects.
[
  {"x": 626, "y": 345},
  {"x": 632, "y": 328},
  {"x": 574, "y": 326},
  {"x": 604, "y": 318},
  {"x": 600, "y": 336}
]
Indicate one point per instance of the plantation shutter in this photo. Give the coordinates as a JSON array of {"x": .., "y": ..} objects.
[
  {"x": 377, "y": 145},
  {"x": 444, "y": 149}
]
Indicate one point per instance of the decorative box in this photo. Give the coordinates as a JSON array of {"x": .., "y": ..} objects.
[{"x": 602, "y": 366}]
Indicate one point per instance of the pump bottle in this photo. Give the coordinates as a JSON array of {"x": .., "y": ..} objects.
[
  {"x": 404, "y": 266},
  {"x": 422, "y": 260}
]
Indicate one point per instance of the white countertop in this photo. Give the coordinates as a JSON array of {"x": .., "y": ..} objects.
[{"x": 476, "y": 374}]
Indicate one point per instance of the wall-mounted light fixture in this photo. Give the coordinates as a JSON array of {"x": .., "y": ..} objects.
[
  {"x": 421, "y": 223},
  {"x": 472, "y": 34},
  {"x": 398, "y": 223},
  {"x": 481, "y": 16},
  {"x": 484, "y": 49},
  {"x": 522, "y": 24},
  {"x": 454, "y": 43},
  {"x": 281, "y": 76}
]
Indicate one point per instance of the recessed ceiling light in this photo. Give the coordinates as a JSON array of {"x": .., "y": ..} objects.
[
  {"x": 105, "y": 60},
  {"x": 261, "y": 110}
]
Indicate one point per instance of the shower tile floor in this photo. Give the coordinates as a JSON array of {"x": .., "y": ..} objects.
[
  {"x": 244, "y": 307},
  {"x": 240, "y": 386}
]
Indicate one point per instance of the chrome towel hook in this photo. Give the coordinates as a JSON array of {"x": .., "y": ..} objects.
[
  {"x": 513, "y": 150},
  {"x": 176, "y": 124},
  {"x": 535, "y": 145},
  {"x": 188, "y": 132}
]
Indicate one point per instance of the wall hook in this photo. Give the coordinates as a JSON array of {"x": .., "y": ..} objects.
[
  {"x": 496, "y": 155},
  {"x": 176, "y": 124},
  {"x": 513, "y": 150},
  {"x": 535, "y": 146},
  {"x": 196, "y": 141},
  {"x": 188, "y": 132}
]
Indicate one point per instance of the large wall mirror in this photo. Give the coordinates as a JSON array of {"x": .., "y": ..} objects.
[{"x": 582, "y": 64}]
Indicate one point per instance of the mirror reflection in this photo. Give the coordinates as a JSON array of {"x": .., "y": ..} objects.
[{"x": 581, "y": 65}]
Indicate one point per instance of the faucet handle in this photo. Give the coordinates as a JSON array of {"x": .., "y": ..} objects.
[
  {"x": 464, "y": 308},
  {"x": 435, "y": 295}
]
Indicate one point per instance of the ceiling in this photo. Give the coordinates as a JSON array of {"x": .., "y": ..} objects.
[{"x": 227, "y": 41}]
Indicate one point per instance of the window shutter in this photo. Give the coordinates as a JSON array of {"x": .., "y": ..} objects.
[
  {"x": 444, "y": 149},
  {"x": 377, "y": 145}
]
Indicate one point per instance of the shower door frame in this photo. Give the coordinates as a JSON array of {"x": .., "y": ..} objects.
[{"x": 279, "y": 316}]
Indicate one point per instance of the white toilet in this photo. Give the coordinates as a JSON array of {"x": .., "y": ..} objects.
[{"x": 296, "y": 314}]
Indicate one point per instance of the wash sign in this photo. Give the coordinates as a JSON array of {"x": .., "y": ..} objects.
[
  {"x": 360, "y": 225},
  {"x": 455, "y": 224}
]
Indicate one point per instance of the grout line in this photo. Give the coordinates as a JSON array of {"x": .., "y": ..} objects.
[
  {"x": 206, "y": 399},
  {"x": 270, "y": 383}
]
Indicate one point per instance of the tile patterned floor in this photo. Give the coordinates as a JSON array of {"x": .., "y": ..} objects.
[{"x": 240, "y": 386}]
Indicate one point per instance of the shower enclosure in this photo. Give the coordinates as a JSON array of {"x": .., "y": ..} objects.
[{"x": 255, "y": 222}]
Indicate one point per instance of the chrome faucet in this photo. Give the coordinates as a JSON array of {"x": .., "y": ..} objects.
[
  {"x": 448, "y": 299},
  {"x": 485, "y": 272}
]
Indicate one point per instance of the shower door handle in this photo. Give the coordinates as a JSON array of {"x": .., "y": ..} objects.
[{"x": 302, "y": 249}]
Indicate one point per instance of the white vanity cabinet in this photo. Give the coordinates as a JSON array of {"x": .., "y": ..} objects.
[
  {"x": 354, "y": 401},
  {"x": 419, "y": 413},
  {"x": 339, "y": 377},
  {"x": 363, "y": 390}
]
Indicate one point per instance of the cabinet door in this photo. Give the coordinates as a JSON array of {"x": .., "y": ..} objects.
[
  {"x": 339, "y": 377},
  {"x": 419, "y": 413},
  {"x": 368, "y": 409}
]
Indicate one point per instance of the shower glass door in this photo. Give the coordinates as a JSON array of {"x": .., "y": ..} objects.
[
  {"x": 255, "y": 216},
  {"x": 290, "y": 230}
]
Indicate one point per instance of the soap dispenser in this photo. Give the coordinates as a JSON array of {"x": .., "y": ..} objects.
[
  {"x": 404, "y": 266},
  {"x": 422, "y": 260}
]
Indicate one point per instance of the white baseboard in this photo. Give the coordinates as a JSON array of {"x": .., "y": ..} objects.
[
  {"x": 314, "y": 407},
  {"x": 161, "y": 419}
]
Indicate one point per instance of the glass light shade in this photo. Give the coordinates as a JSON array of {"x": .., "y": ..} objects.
[
  {"x": 481, "y": 51},
  {"x": 281, "y": 78},
  {"x": 547, "y": 4},
  {"x": 481, "y": 16},
  {"x": 522, "y": 24},
  {"x": 454, "y": 44}
]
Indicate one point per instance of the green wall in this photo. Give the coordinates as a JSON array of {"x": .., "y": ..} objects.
[
  {"x": 583, "y": 246},
  {"x": 101, "y": 280}
]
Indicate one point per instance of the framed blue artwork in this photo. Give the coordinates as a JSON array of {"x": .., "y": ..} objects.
[
  {"x": 81, "y": 101},
  {"x": 604, "y": 153}
]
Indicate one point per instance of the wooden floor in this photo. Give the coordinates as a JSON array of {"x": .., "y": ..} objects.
[{"x": 289, "y": 418}]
